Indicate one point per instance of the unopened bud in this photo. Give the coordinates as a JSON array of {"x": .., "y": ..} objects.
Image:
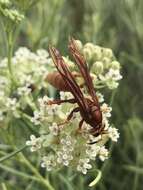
[
  {"x": 97, "y": 54},
  {"x": 98, "y": 67},
  {"x": 87, "y": 53},
  {"x": 79, "y": 44},
  {"x": 107, "y": 52},
  {"x": 106, "y": 62},
  {"x": 115, "y": 65},
  {"x": 89, "y": 46}
]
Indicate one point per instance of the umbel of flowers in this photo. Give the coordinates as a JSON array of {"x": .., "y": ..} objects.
[{"x": 63, "y": 144}]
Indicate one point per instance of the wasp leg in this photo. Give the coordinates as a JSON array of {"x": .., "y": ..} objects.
[
  {"x": 97, "y": 132},
  {"x": 81, "y": 123},
  {"x": 50, "y": 102},
  {"x": 80, "y": 126},
  {"x": 70, "y": 116}
]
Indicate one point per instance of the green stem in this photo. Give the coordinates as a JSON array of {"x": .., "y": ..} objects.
[
  {"x": 37, "y": 174},
  {"x": 12, "y": 154},
  {"x": 136, "y": 177},
  {"x": 3, "y": 186},
  {"x": 10, "y": 49},
  {"x": 112, "y": 97},
  {"x": 10, "y": 43},
  {"x": 18, "y": 173}
]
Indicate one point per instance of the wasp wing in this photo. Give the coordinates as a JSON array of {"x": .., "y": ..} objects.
[
  {"x": 68, "y": 77},
  {"x": 82, "y": 65}
]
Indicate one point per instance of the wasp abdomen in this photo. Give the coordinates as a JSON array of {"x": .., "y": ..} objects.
[{"x": 56, "y": 80}]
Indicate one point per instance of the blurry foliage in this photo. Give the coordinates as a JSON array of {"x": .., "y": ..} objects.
[{"x": 114, "y": 24}]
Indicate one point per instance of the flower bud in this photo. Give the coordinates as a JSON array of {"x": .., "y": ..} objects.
[
  {"x": 107, "y": 52},
  {"x": 106, "y": 62},
  {"x": 89, "y": 46},
  {"x": 79, "y": 44},
  {"x": 97, "y": 54},
  {"x": 115, "y": 65},
  {"x": 98, "y": 67},
  {"x": 87, "y": 53}
]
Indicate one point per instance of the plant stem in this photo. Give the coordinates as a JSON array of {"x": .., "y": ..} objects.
[
  {"x": 12, "y": 154},
  {"x": 9, "y": 41},
  {"x": 9, "y": 54},
  {"x": 3, "y": 186},
  {"x": 18, "y": 173},
  {"x": 112, "y": 97},
  {"x": 37, "y": 174}
]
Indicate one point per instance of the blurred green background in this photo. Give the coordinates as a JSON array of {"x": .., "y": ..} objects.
[{"x": 110, "y": 23}]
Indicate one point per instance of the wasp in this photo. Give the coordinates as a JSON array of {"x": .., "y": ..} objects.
[{"x": 64, "y": 80}]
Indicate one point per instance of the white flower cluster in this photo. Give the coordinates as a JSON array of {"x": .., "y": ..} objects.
[
  {"x": 46, "y": 112},
  {"x": 34, "y": 142},
  {"x": 65, "y": 154},
  {"x": 30, "y": 70},
  {"x": 105, "y": 70},
  {"x": 68, "y": 146}
]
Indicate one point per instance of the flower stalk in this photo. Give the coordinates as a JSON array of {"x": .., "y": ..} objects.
[
  {"x": 35, "y": 171},
  {"x": 9, "y": 54}
]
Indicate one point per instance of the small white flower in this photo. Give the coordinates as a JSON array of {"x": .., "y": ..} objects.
[
  {"x": 12, "y": 104},
  {"x": 83, "y": 165},
  {"x": 34, "y": 142},
  {"x": 65, "y": 95},
  {"x": 106, "y": 110},
  {"x": 92, "y": 151},
  {"x": 113, "y": 74},
  {"x": 48, "y": 162},
  {"x": 22, "y": 54},
  {"x": 42, "y": 56},
  {"x": 100, "y": 97},
  {"x": 106, "y": 123},
  {"x": 103, "y": 153},
  {"x": 113, "y": 133},
  {"x": 68, "y": 143},
  {"x": 23, "y": 91},
  {"x": 44, "y": 101},
  {"x": 64, "y": 157},
  {"x": 54, "y": 129},
  {"x": 42, "y": 53},
  {"x": 36, "y": 118}
]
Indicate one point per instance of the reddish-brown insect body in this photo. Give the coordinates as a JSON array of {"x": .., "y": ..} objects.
[
  {"x": 56, "y": 80},
  {"x": 64, "y": 80}
]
